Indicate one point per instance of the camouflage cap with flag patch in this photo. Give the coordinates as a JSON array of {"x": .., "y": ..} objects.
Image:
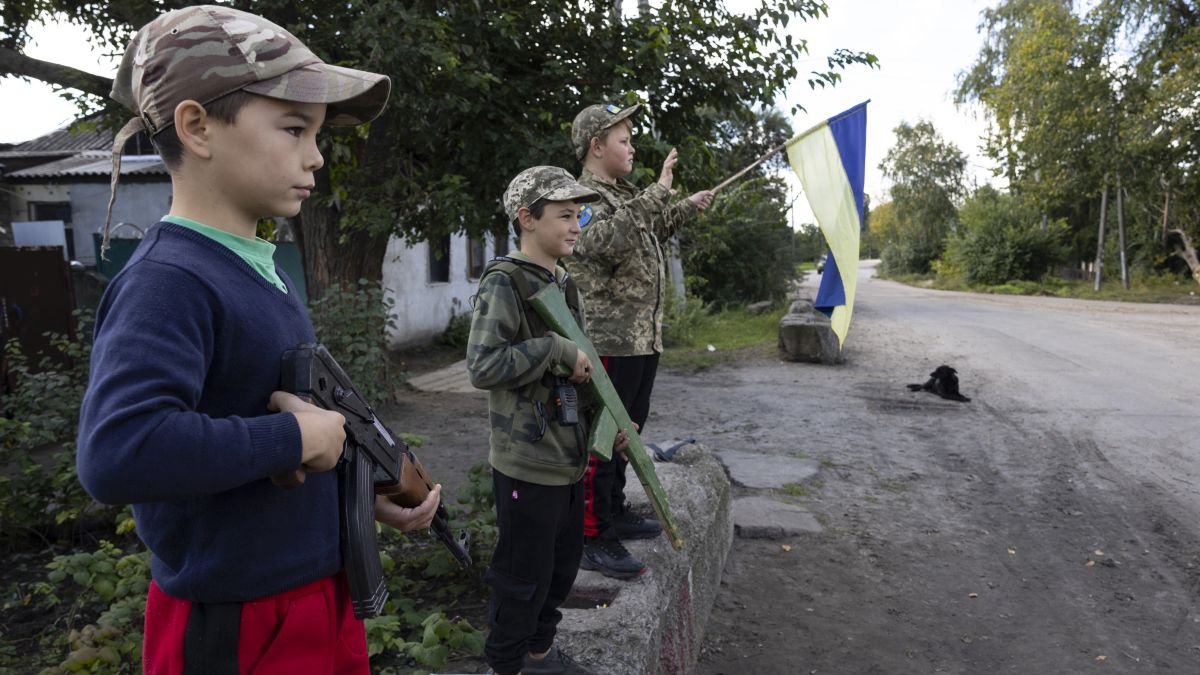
[
  {"x": 544, "y": 182},
  {"x": 204, "y": 52},
  {"x": 593, "y": 120}
]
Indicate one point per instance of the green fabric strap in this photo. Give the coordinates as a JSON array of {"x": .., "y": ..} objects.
[{"x": 258, "y": 253}]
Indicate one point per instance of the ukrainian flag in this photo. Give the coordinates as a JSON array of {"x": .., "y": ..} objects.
[{"x": 830, "y": 159}]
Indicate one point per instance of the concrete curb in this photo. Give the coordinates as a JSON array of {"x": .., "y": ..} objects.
[{"x": 655, "y": 625}]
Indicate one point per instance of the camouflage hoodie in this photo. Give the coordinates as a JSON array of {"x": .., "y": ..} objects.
[
  {"x": 619, "y": 263},
  {"x": 526, "y": 443}
]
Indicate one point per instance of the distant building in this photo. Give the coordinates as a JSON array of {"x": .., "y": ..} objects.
[{"x": 64, "y": 176}]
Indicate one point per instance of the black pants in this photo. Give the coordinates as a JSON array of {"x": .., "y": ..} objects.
[
  {"x": 533, "y": 568},
  {"x": 604, "y": 485}
]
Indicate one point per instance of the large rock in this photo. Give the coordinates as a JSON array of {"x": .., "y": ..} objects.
[
  {"x": 805, "y": 335},
  {"x": 654, "y": 625}
]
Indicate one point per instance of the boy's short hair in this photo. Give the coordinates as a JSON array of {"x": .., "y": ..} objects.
[
  {"x": 205, "y": 52},
  {"x": 594, "y": 121},
  {"x": 536, "y": 186},
  {"x": 224, "y": 109}
]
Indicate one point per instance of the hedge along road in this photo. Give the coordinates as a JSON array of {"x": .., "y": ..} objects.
[{"x": 1051, "y": 525}]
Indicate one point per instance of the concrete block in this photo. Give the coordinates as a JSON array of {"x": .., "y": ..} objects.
[
  {"x": 763, "y": 518},
  {"x": 807, "y": 336},
  {"x": 654, "y": 625},
  {"x": 756, "y": 470}
]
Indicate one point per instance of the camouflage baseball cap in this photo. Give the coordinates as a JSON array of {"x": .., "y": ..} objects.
[
  {"x": 594, "y": 119},
  {"x": 202, "y": 53},
  {"x": 544, "y": 182}
]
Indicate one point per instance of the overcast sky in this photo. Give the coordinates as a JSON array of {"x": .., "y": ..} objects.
[{"x": 922, "y": 46}]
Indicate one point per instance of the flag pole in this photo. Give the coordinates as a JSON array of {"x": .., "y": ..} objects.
[{"x": 773, "y": 151}]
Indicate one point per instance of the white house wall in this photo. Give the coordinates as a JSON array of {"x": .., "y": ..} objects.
[
  {"x": 423, "y": 308},
  {"x": 141, "y": 204}
]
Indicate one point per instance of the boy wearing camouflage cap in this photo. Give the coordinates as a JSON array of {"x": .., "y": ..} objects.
[
  {"x": 182, "y": 417},
  {"x": 537, "y": 461},
  {"x": 619, "y": 263}
]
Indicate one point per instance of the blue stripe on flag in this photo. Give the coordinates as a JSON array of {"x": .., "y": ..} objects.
[
  {"x": 831, "y": 292},
  {"x": 849, "y": 131}
]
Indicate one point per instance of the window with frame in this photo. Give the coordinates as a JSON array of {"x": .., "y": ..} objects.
[
  {"x": 476, "y": 257},
  {"x": 439, "y": 260},
  {"x": 502, "y": 242},
  {"x": 56, "y": 211}
]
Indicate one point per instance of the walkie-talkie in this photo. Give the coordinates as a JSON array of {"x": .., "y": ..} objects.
[{"x": 566, "y": 401}]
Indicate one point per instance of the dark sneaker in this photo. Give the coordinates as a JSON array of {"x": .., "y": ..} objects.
[
  {"x": 629, "y": 525},
  {"x": 610, "y": 558},
  {"x": 554, "y": 663}
]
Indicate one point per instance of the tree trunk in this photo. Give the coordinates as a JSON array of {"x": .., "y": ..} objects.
[
  {"x": 1188, "y": 254},
  {"x": 1121, "y": 232},
  {"x": 1100, "y": 238},
  {"x": 1166, "y": 211},
  {"x": 332, "y": 256}
]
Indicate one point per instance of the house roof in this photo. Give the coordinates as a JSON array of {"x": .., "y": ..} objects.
[
  {"x": 94, "y": 163},
  {"x": 61, "y": 142}
]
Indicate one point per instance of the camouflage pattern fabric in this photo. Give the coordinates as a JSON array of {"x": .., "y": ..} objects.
[
  {"x": 202, "y": 53},
  {"x": 593, "y": 120},
  {"x": 620, "y": 264},
  {"x": 525, "y": 442},
  {"x": 544, "y": 182}
]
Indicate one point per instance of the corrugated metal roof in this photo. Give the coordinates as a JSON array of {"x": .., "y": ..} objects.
[
  {"x": 94, "y": 164},
  {"x": 62, "y": 141}
]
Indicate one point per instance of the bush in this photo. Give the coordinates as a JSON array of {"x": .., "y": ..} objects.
[
  {"x": 682, "y": 319},
  {"x": 996, "y": 256},
  {"x": 907, "y": 257},
  {"x": 353, "y": 323},
  {"x": 742, "y": 249}
]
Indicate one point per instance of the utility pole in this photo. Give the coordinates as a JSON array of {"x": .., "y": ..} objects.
[
  {"x": 1100, "y": 238},
  {"x": 1121, "y": 233}
]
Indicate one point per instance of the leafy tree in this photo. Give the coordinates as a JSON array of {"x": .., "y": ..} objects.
[
  {"x": 1002, "y": 239},
  {"x": 744, "y": 249},
  {"x": 1081, "y": 98},
  {"x": 482, "y": 90},
  {"x": 927, "y": 181}
]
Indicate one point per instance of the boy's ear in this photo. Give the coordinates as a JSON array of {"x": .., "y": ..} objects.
[
  {"x": 525, "y": 219},
  {"x": 595, "y": 147},
  {"x": 192, "y": 128}
]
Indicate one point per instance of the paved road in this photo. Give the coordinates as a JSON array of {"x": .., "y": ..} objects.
[
  {"x": 1126, "y": 374},
  {"x": 1049, "y": 526}
]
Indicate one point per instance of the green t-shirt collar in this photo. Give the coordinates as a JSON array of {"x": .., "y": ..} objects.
[{"x": 258, "y": 253}]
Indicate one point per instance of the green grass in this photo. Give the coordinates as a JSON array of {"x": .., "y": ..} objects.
[
  {"x": 795, "y": 490},
  {"x": 1152, "y": 289},
  {"x": 732, "y": 332}
]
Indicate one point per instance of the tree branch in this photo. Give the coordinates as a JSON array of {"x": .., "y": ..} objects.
[{"x": 17, "y": 64}]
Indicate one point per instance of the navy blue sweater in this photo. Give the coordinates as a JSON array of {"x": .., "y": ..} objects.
[{"x": 175, "y": 422}]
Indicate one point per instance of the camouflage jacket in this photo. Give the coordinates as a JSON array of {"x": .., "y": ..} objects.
[
  {"x": 620, "y": 264},
  {"x": 510, "y": 353}
]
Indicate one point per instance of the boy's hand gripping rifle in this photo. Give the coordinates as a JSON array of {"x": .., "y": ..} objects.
[{"x": 373, "y": 462}]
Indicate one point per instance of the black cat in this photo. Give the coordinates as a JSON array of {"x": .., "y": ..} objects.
[{"x": 943, "y": 381}]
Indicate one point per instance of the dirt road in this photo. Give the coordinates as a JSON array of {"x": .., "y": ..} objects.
[{"x": 1050, "y": 526}]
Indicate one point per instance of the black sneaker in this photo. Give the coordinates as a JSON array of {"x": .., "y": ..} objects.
[
  {"x": 610, "y": 558},
  {"x": 629, "y": 525},
  {"x": 554, "y": 663}
]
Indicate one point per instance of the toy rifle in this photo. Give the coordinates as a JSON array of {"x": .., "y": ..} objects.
[
  {"x": 552, "y": 308},
  {"x": 373, "y": 462}
]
